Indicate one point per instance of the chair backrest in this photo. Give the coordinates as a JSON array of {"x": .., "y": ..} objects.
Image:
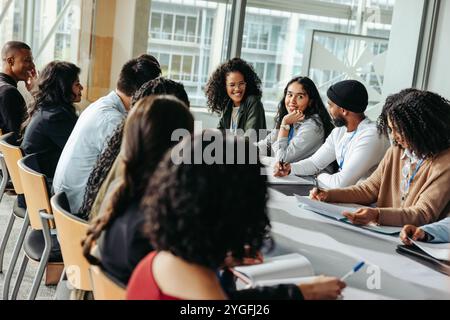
[
  {"x": 12, "y": 153},
  {"x": 35, "y": 189},
  {"x": 104, "y": 287},
  {"x": 71, "y": 230}
]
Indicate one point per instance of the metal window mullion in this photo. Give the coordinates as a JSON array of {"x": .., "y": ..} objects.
[
  {"x": 5, "y": 10},
  {"x": 236, "y": 28},
  {"x": 53, "y": 29}
]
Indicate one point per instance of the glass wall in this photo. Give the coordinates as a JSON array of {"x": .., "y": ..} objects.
[
  {"x": 187, "y": 37},
  {"x": 281, "y": 45},
  {"x": 50, "y": 27}
]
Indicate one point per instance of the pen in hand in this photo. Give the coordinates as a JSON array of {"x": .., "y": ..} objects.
[
  {"x": 316, "y": 181},
  {"x": 354, "y": 270}
]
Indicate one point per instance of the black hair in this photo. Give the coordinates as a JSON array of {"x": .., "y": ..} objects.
[
  {"x": 200, "y": 212},
  {"x": 54, "y": 88},
  {"x": 422, "y": 118},
  {"x": 12, "y": 46},
  {"x": 136, "y": 72},
  {"x": 216, "y": 93},
  {"x": 315, "y": 107},
  {"x": 147, "y": 136},
  {"x": 106, "y": 160}
]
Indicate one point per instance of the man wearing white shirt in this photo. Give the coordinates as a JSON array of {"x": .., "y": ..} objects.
[
  {"x": 354, "y": 144},
  {"x": 95, "y": 126}
]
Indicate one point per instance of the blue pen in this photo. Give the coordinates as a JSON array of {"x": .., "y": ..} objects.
[{"x": 354, "y": 270}]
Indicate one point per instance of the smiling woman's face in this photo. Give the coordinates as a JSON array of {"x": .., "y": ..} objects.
[
  {"x": 235, "y": 83},
  {"x": 296, "y": 98}
]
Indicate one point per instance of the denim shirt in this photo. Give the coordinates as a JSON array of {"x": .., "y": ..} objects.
[
  {"x": 87, "y": 141},
  {"x": 440, "y": 231}
]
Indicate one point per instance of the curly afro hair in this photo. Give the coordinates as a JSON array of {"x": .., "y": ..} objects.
[
  {"x": 201, "y": 212},
  {"x": 216, "y": 93},
  {"x": 421, "y": 117}
]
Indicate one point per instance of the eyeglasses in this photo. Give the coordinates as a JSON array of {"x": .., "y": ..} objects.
[{"x": 238, "y": 85}]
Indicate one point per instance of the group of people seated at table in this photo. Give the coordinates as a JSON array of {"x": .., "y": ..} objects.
[{"x": 168, "y": 222}]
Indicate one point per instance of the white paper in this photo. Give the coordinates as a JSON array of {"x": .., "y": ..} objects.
[
  {"x": 290, "y": 180},
  {"x": 286, "y": 266},
  {"x": 328, "y": 209},
  {"x": 440, "y": 251}
]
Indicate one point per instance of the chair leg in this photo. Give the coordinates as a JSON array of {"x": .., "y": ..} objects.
[
  {"x": 12, "y": 263},
  {"x": 40, "y": 272},
  {"x": 5, "y": 239},
  {"x": 5, "y": 177},
  {"x": 23, "y": 267}
]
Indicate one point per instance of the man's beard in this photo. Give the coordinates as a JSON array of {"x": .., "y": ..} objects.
[{"x": 339, "y": 122}]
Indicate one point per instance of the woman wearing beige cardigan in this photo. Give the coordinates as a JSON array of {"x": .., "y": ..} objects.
[{"x": 412, "y": 183}]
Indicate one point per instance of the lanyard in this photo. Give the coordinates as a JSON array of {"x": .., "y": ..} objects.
[
  {"x": 291, "y": 134},
  {"x": 234, "y": 121},
  {"x": 411, "y": 179},
  {"x": 344, "y": 150}
]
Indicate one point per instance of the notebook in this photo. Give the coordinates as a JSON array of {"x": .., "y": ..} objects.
[
  {"x": 335, "y": 211},
  {"x": 275, "y": 270},
  {"x": 419, "y": 255}
]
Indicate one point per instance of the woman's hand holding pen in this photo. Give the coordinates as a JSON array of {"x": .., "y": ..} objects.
[{"x": 281, "y": 169}]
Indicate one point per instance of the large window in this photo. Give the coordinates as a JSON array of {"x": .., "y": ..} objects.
[
  {"x": 52, "y": 32},
  {"x": 188, "y": 39},
  {"x": 278, "y": 41}
]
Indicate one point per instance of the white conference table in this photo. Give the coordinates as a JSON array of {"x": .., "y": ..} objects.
[{"x": 334, "y": 248}]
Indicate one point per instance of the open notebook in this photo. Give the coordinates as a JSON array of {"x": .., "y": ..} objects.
[
  {"x": 275, "y": 270},
  {"x": 335, "y": 211}
]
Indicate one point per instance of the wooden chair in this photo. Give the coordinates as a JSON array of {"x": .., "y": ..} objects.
[
  {"x": 71, "y": 230},
  {"x": 42, "y": 239},
  {"x": 11, "y": 154},
  {"x": 104, "y": 286}
]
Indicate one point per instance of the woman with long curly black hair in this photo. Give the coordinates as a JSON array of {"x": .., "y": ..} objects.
[
  {"x": 147, "y": 136},
  {"x": 302, "y": 123},
  {"x": 197, "y": 214},
  {"x": 234, "y": 92},
  {"x": 52, "y": 116},
  {"x": 411, "y": 184}
]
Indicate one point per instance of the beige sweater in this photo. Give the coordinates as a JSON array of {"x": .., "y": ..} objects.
[{"x": 429, "y": 195}]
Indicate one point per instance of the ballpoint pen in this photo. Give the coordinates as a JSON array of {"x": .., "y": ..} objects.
[
  {"x": 316, "y": 181},
  {"x": 354, "y": 270}
]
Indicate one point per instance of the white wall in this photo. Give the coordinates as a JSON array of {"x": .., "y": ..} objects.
[{"x": 439, "y": 79}]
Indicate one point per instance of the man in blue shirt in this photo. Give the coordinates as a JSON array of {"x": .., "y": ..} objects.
[
  {"x": 95, "y": 126},
  {"x": 438, "y": 232}
]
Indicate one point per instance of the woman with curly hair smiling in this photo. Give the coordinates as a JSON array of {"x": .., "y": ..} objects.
[
  {"x": 234, "y": 92},
  {"x": 411, "y": 184},
  {"x": 197, "y": 214}
]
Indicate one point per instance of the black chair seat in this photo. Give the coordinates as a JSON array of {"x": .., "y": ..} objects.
[
  {"x": 18, "y": 211},
  {"x": 34, "y": 247}
]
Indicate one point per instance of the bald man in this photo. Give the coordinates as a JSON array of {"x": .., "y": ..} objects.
[{"x": 17, "y": 65}]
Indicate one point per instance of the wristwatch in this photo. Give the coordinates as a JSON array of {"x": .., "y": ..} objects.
[{"x": 285, "y": 127}]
